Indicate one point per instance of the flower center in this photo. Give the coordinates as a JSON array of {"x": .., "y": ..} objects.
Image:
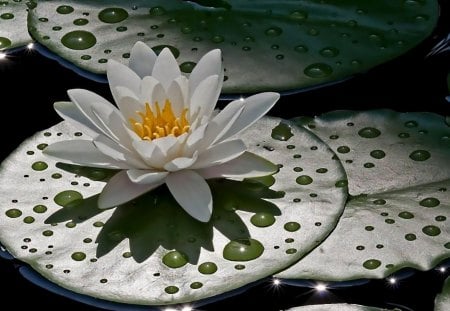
[{"x": 160, "y": 123}]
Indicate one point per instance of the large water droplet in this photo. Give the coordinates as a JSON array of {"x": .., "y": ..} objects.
[
  {"x": 112, "y": 15},
  {"x": 171, "y": 289},
  {"x": 7, "y": 16},
  {"x": 406, "y": 215},
  {"x": 64, "y": 198},
  {"x": 157, "y": 11},
  {"x": 78, "y": 40},
  {"x": 80, "y": 22},
  {"x": 299, "y": 15},
  {"x": 243, "y": 250},
  {"x": 187, "y": 67},
  {"x": 282, "y": 132},
  {"x": 420, "y": 155},
  {"x": 175, "y": 259},
  {"x": 292, "y": 226},
  {"x": 318, "y": 70},
  {"x": 377, "y": 154},
  {"x": 40, "y": 209}
]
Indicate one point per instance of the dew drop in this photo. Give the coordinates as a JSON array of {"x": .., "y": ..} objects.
[
  {"x": 112, "y": 15},
  {"x": 207, "y": 268},
  {"x": 7, "y": 16},
  {"x": 371, "y": 264},
  {"x": 430, "y": 202},
  {"x": 273, "y": 31},
  {"x": 304, "y": 180},
  {"x": 79, "y": 40},
  {"x": 80, "y": 22},
  {"x": 343, "y": 149},
  {"x": 282, "y": 132},
  {"x": 262, "y": 219},
  {"x": 243, "y": 250},
  {"x": 187, "y": 67},
  {"x": 410, "y": 237},
  {"x": 28, "y": 220},
  {"x": 157, "y": 11},
  {"x": 406, "y": 215},
  {"x": 78, "y": 256},
  {"x": 175, "y": 259},
  {"x": 420, "y": 155},
  {"x": 318, "y": 70},
  {"x": 329, "y": 52},
  {"x": 40, "y": 209},
  {"x": 369, "y": 132},
  {"x": 217, "y": 39},
  {"x": 127, "y": 255},
  {"x": 292, "y": 226},
  {"x": 301, "y": 49},
  {"x": 431, "y": 230},
  {"x": 403, "y": 135},
  {"x": 39, "y": 166},
  {"x": 4, "y": 43},
  {"x": 64, "y": 9},
  {"x": 47, "y": 233},
  {"x": 13, "y": 213},
  {"x": 196, "y": 285},
  {"x": 171, "y": 290},
  {"x": 377, "y": 154},
  {"x": 299, "y": 15},
  {"x": 341, "y": 183},
  {"x": 440, "y": 218},
  {"x": 369, "y": 165},
  {"x": 66, "y": 197}
]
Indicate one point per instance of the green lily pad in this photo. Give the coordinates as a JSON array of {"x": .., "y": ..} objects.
[
  {"x": 399, "y": 210},
  {"x": 442, "y": 301},
  {"x": 337, "y": 307},
  {"x": 13, "y": 24},
  {"x": 282, "y": 46},
  {"x": 150, "y": 251}
]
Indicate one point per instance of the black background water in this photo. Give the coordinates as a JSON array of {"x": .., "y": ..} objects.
[{"x": 30, "y": 83}]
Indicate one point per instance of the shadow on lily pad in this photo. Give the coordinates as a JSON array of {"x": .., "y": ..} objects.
[{"x": 155, "y": 219}]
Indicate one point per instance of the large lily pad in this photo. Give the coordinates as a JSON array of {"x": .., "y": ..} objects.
[
  {"x": 442, "y": 301},
  {"x": 13, "y": 24},
  {"x": 399, "y": 178},
  {"x": 150, "y": 251},
  {"x": 274, "y": 45}
]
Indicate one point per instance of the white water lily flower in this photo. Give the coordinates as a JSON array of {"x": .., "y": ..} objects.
[{"x": 165, "y": 130}]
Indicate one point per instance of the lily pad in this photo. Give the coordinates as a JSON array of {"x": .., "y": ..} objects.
[
  {"x": 442, "y": 301},
  {"x": 337, "y": 307},
  {"x": 275, "y": 45},
  {"x": 13, "y": 24},
  {"x": 399, "y": 210},
  {"x": 150, "y": 251}
]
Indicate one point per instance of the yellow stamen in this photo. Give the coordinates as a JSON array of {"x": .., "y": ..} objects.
[{"x": 160, "y": 123}]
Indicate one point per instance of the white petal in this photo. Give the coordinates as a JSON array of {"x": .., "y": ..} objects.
[
  {"x": 146, "y": 176},
  {"x": 120, "y": 75},
  {"x": 254, "y": 108},
  {"x": 156, "y": 153},
  {"x": 183, "y": 82},
  {"x": 192, "y": 192},
  {"x": 117, "y": 152},
  {"x": 195, "y": 138},
  {"x": 70, "y": 112},
  {"x": 148, "y": 85},
  {"x": 246, "y": 166},
  {"x": 82, "y": 152},
  {"x": 210, "y": 64},
  {"x": 220, "y": 153},
  {"x": 120, "y": 189},
  {"x": 180, "y": 163},
  {"x": 159, "y": 96},
  {"x": 176, "y": 98},
  {"x": 86, "y": 100},
  {"x": 166, "y": 68},
  {"x": 142, "y": 59},
  {"x": 204, "y": 98},
  {"x": 129, "y": 106},
  {"x": 221, "y": 123}
]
